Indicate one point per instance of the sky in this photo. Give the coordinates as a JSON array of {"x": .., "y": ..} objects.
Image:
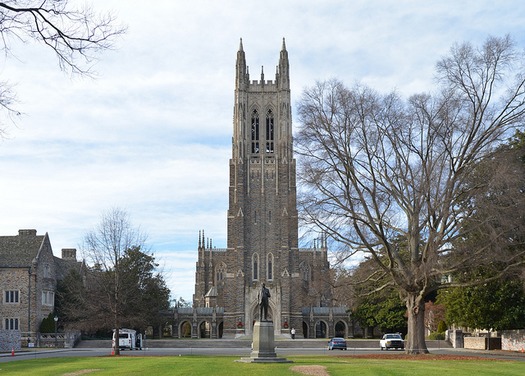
[{"x": 151, "y": 133}]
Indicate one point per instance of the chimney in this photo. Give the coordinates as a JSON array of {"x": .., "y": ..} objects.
[
  {"x": 69, "y": 254},
  {"x": 30, "y": 232}
]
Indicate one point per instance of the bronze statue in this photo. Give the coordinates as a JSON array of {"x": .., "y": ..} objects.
[{"x": 264, "y": 296}]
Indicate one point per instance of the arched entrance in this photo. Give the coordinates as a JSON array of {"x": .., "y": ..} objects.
[
  {"x": 220, "y": 329},
  {"x": 253, "y": 313},
  {"x": 256, "y": 313},
  {"x": 321, "y": 329},
  {"x": 340, "y": 329},
  {"x": 205, "y": 330},
  {"x": 185, "y": 329},
  {"x": 305, "y": 330}
]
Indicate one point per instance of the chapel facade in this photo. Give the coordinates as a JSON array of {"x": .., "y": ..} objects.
[{"x": 262, "y": 226}]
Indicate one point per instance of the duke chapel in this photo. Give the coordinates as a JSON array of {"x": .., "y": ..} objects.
[{"x": 262, "y": 245}]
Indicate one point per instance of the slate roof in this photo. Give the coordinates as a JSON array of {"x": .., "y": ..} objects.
[
  {"x": 212, "y": 292},
  {"x": 20, "y": 250}
]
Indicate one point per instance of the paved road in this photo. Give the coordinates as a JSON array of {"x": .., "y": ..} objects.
[{"x": 242, "y": 352}]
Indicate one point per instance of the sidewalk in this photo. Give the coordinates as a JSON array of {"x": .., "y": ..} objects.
[{"x": 33, "y": 351}]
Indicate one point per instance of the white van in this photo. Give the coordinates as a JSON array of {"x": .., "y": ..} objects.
[{"x": 128, "y": 339}]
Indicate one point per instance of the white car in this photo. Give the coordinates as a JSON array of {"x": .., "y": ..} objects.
[{"x": 392, "y": 341}]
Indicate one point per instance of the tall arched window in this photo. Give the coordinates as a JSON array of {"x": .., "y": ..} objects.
[
  {"x": 269, "y": 131},
  {"x": 255, "y": 266},
  {"x": 255, "y": 132},
  {"x": 220, "y": 272},
  {"x": 305, "y": 271},
  {"x": 269, "y": 265}
]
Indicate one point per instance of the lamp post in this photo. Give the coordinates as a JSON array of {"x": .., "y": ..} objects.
[{"x": 56, "y": 329}]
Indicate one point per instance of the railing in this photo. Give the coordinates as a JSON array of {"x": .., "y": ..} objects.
[{"x": 60, "y": 340}]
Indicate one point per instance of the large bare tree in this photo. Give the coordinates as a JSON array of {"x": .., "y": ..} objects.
[
  {"x": 377, "y": 169},
  {"x": 75, "y": 34},
  {"x": 104, "y": 247}
]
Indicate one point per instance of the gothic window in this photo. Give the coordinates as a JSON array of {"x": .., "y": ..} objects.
[
  {"x": 221, "y": 272},
  {"x": 255, "y": 132},
  {"x": 270, "y": 266},
  {"x": 269, "y": 132},
  {"x": 305, "y": 271},
  {"x": 255, "y": 266}
]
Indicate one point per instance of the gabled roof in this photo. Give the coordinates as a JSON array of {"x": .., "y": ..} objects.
[
  {"x": 19, "y": 251},
  {"x": 212, "y": 293}
]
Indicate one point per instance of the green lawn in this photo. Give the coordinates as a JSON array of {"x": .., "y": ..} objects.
[{"x": 222, "y": 365}]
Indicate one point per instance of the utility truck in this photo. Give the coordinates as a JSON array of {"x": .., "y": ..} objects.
[{"x": 128, "y": 339}]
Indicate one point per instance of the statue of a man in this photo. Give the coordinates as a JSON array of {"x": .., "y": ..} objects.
[{"x": 264, "y": 296}]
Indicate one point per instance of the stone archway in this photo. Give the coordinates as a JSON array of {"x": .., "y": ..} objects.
[
  {"x": 185, "y": 329},
  {"x": 321, "y": 329},
  {"x": 340, "y": 329},
  {"x": 204, "y": 329},
  {"x": 220, "y": 329},
  {"x": 305, "y": 330},
  {"x": 253, "y": 311}
]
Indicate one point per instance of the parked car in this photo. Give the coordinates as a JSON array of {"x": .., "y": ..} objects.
[
  {"x": 392, "y": 341},
  {"x": 337, "y": 343}
]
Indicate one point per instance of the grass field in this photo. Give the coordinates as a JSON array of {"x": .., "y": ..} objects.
[
  {"x": 226, "y": 366},
  {"x": 199, "y": 365}
]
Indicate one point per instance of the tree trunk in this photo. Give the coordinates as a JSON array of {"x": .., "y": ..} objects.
[
  {"x": 117, "y": 333},
  {"x": 415, "y": 341}
]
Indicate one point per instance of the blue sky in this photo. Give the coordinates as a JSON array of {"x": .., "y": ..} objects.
[{"x": 152, "y": 133}]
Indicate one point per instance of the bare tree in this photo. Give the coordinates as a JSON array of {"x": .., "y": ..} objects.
[
  {"x": 75, "y": 35},
  {"x": 104, "y": 247},
  {"x": 377, "y": 169}
]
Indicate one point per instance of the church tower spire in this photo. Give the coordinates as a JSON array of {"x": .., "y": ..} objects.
[
  {"x": 241, "y": 72},
  {"x": 283, "y": 70}
]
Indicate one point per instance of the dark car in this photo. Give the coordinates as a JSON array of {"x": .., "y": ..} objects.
[{"x": 337, "y": 343}]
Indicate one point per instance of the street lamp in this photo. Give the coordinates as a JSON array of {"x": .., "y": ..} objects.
[{"x": 56, "y": 339}]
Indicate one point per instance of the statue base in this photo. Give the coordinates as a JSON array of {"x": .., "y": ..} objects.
[{"x": 263, "y": 348}]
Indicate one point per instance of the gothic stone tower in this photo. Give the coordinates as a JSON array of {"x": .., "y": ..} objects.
[{"x": 262, "y": 215}]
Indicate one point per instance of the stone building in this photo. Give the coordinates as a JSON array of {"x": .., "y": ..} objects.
[
  {"x": 262, "y": 227},
  {"x": 28, "y": 278}
]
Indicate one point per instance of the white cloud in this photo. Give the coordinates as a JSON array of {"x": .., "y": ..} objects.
[{"x": 152, "y": 133}]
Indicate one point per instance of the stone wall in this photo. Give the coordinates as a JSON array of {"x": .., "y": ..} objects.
[
  {"x": 474, "y": 343},
  {"x": 482, "y": 343},
  {"x": 10, "y": 340},
  {"x": 513, "y": 340},
  {"x": 455, "y": 337},
  {"x": 16, "y": 279}
]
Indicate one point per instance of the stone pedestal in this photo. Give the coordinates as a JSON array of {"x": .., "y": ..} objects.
[{"x": 263, "y": 350}]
